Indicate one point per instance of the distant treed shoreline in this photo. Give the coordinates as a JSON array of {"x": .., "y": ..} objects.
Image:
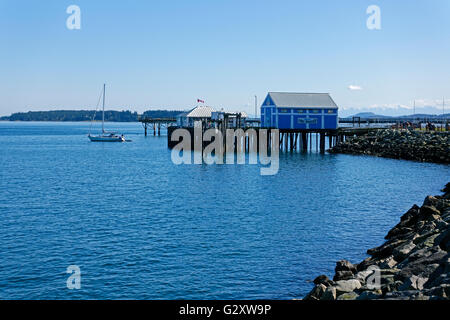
[{"x": 87, "y": 115}]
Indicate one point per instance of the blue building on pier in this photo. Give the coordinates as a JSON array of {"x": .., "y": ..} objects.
[{"x": 296, "y": 111}]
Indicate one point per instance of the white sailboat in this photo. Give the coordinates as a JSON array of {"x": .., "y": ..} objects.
[{"x": 106, "y": 136}]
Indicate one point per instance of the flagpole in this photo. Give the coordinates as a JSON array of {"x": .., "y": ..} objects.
[{"x": 256, "y": 106}]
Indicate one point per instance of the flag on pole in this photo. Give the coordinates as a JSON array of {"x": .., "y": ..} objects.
[{"x": 200, "y": 101}]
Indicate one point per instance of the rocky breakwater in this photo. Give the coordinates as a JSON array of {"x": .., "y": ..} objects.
[
  {"x": 413, "y": 264},
  {"x": 400, "y": 144}
]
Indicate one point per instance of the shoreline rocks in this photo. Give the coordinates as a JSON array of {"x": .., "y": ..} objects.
[
  {"x": 413, "y": 263},
  {"x": 400, "y": 144}
]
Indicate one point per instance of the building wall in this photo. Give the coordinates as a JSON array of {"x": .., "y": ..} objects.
[{"x": 298, "y": 118}]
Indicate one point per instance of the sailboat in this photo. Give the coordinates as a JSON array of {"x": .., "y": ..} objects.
[{"x": 106, "y": 136}]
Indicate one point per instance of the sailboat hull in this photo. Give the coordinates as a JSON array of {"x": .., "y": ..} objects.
[{"x": 108, "y": 138}]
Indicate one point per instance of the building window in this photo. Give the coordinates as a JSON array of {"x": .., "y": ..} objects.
[
  {"x": 315, "y": 111},
  {"x": 300, "y": 111},
  {"x": 284, "y": 111},
  {"x": 331, "y": 111}
]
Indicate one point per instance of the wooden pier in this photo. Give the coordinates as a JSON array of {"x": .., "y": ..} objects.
[
  {"x": 156, "y": 124},
  {"x": 289, "y": 140}
]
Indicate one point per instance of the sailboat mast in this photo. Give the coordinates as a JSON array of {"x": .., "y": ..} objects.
[{"x": 103, "y": 113}]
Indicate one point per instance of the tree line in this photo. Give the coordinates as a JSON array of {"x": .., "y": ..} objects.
[{"x": 88, "y": 115}]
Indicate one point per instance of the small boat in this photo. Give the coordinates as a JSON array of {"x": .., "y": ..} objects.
[{"x": 106, "y": 136}]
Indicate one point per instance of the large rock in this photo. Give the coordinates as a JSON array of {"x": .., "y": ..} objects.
[
  {"x": 431, "y": 201},
  {"x": 388, "y": 263},
  {"x": 366, "y": 263},
  {"x": 370, "y": 295},
  {"x": 443, "y": 240},
  {"x": 402, "y": 295},
  {"x": 344, "y": 286},
  {"x": 323, "y": 279},
  {"x": 362, "y": 275},
  {"x": 316, "y": 293},
  {"x": 329, "y": 294},
  {"x": 441, "y": 274},
  {"x": 344, "y": 265},
  {"x": 343, "y": 275},
  {"x": 348, "y": 296},
  {"x": 400, "y": 253},
  {"x": 429, "y": 212},
  {"x": 413, "y": 283},
  {"x": 421, "y": 263},
  {"x": 385, "y": 250}
]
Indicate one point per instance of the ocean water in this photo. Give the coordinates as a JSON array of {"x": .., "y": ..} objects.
[{"x": 140, "y": 227}]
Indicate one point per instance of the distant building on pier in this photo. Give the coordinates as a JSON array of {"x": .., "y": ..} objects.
[
  {"x": 189, "y": 118},
  {"x": 206, "y": 116},
  {"x": 290, "y": 110}
]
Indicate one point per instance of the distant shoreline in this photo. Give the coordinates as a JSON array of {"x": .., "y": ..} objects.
[
  {"x": 87, "y": 121},
  {"x": 88, "y": 115}
]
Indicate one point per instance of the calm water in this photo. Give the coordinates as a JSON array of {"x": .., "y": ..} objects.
[{"x": 140, "y": 227}]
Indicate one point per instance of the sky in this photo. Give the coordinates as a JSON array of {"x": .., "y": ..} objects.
[{"x": 168, "y": 54}]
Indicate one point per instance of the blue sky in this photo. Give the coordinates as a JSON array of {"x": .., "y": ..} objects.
[{"x": 169, "y": 53}]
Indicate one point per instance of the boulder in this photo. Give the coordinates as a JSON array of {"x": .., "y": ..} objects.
[
  {"x": 413, "y": 283},
  {"x": 426, "y": 240},
  {"x": 446, "y": 188},
  {"x": 343, "y": 275},
  {"x": 392, "y": 286},
  {"x": 344, "y": 286},
  {"x": 429, "y": 212},
  {"x": 443, "y": 240},
  {"x": 431, "y": 201},
  {"x": 344, "y": 265},
  {"x": 400, "y": 253},
  {"x": 365, "y": 264},
  {"x": 348, "y": 296},
  {"x": 388, "y": 263},
  {"x": 323, "y": 279},
  {"x": 441, "y": 274},
  {"x": 410, "y": 214},
  {"x": 316, "y": 293},
  {"x": 421, "y": 263},
  {"x": 370, "y": 295},
  {"x": 385, "y": 250},
  {"x": 362, "y": 275},
  {"x": 329, "y": 294},
  {"x": 401, "y": 295}
]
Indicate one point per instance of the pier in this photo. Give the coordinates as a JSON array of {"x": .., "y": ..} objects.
[
  {"x": 156, "y": 124},
  {"x": 289, "y": 140}
]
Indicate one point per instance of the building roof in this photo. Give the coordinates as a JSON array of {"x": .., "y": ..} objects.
[
  {"x": 205, "y": 112},
  {"x": 304, "y": 100},
  {"x": 198, "y": 112}
]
